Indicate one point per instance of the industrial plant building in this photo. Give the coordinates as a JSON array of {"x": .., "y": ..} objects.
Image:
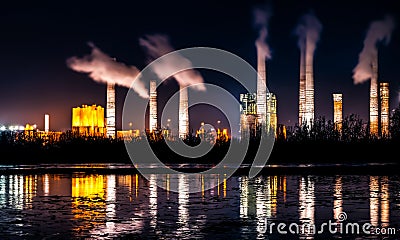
[
  {"x": 88, "y": 121},
  {"x": 258, "y": 110},
  {"x": 248, "y": 115}
]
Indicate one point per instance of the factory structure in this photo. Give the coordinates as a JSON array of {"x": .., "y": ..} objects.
[
  {"x": 306, "y": 87},
  {"x": 338, "y": 111},
  {"x": 183, "y": 113},
  {"x": 378, "y": 104},
  {"x": 258, "y": 110},
  {"x": 110, "y": 110},
  {"x": 153, "y": 106},
  {"x": 384, "y": 98},
  {"x": 88, "y": 121}
]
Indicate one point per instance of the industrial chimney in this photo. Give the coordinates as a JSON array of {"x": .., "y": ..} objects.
[
  {"x": 384, "y": 96},
  {"x": 153, "y": 106},
  {"x": 261, "y": 88},
  {"x": 183, "y": 112},
  {"x": 338, "y": 111},
  {"x": 309, "y": 90},
  {"x": 46, "y": 123},
  {"x": 302, "y": 87},
  {"x": 110, "y": 112},
  {"x": 373, "y": 99}
]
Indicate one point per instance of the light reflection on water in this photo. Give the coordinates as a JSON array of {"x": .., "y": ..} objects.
[{"x": 108, "y": 206}]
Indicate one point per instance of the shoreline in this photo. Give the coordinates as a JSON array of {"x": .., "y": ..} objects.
[{"x": 270, "y": 169}]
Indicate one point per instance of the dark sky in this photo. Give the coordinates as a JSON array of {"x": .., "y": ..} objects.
[{"x": 38, "y": 36}]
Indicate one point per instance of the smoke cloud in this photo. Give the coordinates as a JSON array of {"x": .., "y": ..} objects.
[
  {"x": 104, "y": 69},
  {"x": 378, "y": 31},
  {"x": 261, "y": 18},
  {"x": 158, "y": 45},
  {"x": 308, "y": 30}
]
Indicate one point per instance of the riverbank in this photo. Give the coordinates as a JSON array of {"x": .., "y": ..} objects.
[
  {"x": 269, "y": 169},
  {"x": 282, "y": 153}
]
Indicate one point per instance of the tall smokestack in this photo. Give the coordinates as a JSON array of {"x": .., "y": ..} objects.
[
  {"x": 183, "y": 113},
  {"x": 384, "y": 95},
  {"x": 373, "y": 99},
  {"x": 261, "y": 17},
  {"x": 338, "y": 111},
  {"x": 46, "y": 123},
  {"x": 308, "y": 31},
  {"x": 309, "y": 91},
  {"x": 302, "y": 88},
  {"x": 110, "y": 112},
  {"x": 153, "y": 106},
  {"x": 261, "y": 88}
]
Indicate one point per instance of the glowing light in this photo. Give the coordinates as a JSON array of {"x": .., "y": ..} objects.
[
  {"x": 244, "y": 194},
  {"x": 46, "y": 122},
  {"x": 183, "y": 203},
  {"x": 153, "y": 106},
  {"x": 306, "y": 206},
  {"x": 337, "y": 111},
  {"x": 136, "y": 184},
  {"x": 374, "y": 200},
  {"x": 88, "y": 120},
  {"x": 337, "y": 198},
  {"x": 153, "y": 200}
]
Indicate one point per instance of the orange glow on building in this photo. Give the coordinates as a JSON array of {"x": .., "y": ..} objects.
[
  {"x": 128, "y": 135},
  {"x": 338, "y": 110},
  {"x": 384, "y": 95},
  {"x": 88, "y": 120}
]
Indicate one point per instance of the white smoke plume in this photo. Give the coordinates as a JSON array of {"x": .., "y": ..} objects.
[
  {"x": 378, "y": 31},
  {"x": 261, "y": 18},
  {"x": 308, "y": 30},
  {"x": 158, "y": 45},
  {"x": 104, "y": 69}
]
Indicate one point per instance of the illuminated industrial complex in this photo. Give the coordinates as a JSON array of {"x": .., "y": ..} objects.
[
  {"x": 338, "y": 111},
  {"x": 258, "y": 110},
  {"x": 248, "y": 115},
  {"x": 88, "y": 120}
]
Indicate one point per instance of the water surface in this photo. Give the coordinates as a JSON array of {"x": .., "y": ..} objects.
[{"x": 108, "y": 206}]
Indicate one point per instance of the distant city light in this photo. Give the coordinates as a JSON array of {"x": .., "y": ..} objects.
[{"x": 3, "y": 128}]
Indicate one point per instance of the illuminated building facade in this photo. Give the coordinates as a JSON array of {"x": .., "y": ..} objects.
[
  {"x": 128, "y": 135},
  {"x": 338, "y": 111},
  {"x": 153, "y": 106},
  {"x": 183, "y": 113},
  {"x": 248, "y": 115},
  {"x": 373, "y": 100},
  {"x": 88, "y": 121},
  {"x": 384, "y": 96},
  {"x": 272, "y": 118},
  {"x": 110, "y": 110}
]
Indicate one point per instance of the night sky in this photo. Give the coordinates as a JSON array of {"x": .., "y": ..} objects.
[{"x": 37, "y": 38}]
